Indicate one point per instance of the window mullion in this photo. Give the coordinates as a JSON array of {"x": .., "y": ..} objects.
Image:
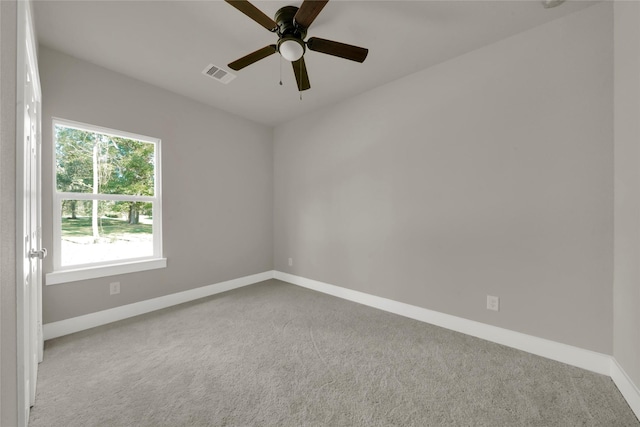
[{"x": 109, "y": 197}]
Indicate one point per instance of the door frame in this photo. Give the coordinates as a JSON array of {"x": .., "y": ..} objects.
[{"x": 27, "y": 308}]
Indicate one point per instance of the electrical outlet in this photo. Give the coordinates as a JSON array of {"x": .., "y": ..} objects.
[
  {"x": 290, "y": 262},
  {"x": 114, "y": 288},
  {"x": 493, "y": 303}
]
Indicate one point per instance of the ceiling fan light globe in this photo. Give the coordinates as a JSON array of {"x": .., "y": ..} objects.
[{"x": 291, "y": 50}]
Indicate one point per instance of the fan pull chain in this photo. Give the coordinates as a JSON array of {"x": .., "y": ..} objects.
[{"x": 280, "y": 71}]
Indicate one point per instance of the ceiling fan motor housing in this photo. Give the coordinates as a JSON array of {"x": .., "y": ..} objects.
[{"x": 286, "y": 26}]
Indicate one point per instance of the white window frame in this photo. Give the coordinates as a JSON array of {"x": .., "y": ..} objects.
[{"x": 64, "y": 274}]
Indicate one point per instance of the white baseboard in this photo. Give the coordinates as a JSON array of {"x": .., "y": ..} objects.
[
  {"x": 575, "y": 356},
  {"x": 88, "y": 321},
  {"x": 628, "y": 389}
]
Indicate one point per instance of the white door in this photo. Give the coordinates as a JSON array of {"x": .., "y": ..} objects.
[
  {"x": 29, "y": 244},
  {"x": 33, "y": 277}
]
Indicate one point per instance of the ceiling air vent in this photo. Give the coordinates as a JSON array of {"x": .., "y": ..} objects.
[{"x": 218, "y": 74}]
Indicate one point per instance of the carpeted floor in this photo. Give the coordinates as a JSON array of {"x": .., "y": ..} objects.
[{"x": 274, "y": 354}]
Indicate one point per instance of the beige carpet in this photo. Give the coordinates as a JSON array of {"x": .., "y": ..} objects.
[{"x": 274, "y": 354}]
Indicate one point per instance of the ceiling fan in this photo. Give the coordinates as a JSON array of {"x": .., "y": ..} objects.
[{"x": 291, "y": 25}]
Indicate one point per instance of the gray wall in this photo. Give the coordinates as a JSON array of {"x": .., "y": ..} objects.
[
  {"x": 626, "y": 289},
  {"x": 488, "y": 174},
  {"x": 217, "y": 183},
  {"x": 8, "y": 362}
]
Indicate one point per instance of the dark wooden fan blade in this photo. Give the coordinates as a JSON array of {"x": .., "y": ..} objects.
[
  {"x": 254, "y": 13},
  {"x": 302, "y": 78},
  {"x": 256, "y": 56},
  {"x": 308, "y": 12},
  {"x": 346, "y": 51}
]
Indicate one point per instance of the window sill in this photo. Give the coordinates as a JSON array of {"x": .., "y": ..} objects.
[{"x": 65, "y": 276}]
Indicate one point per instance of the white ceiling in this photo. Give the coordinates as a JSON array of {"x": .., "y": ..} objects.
[{"x": 169, "y": 43}]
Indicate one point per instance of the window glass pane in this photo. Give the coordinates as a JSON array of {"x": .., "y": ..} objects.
[
  {"x": 98, "y": 231},
  {"x": 92, "y": 162}
]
